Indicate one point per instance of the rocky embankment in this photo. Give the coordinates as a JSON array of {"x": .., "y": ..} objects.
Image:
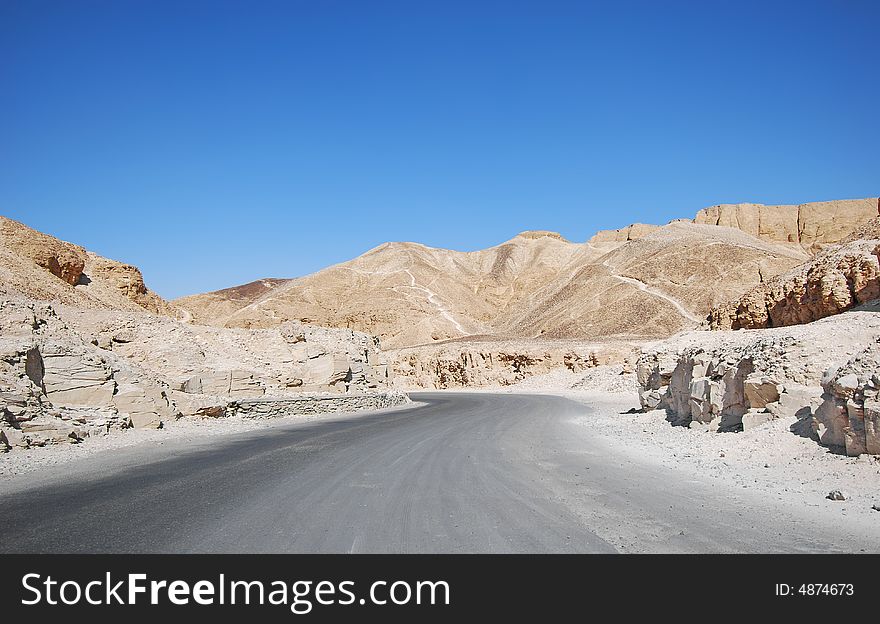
[
  {"x": 820, "y": 375},
  {"x": 495, "y": 363},
  {"x": 67, "y": 374}
]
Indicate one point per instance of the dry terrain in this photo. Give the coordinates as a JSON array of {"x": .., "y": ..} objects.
[{"x": 747, "y": 334}]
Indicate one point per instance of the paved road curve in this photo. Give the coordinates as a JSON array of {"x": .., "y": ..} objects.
[{"x": 461, "y": 473}]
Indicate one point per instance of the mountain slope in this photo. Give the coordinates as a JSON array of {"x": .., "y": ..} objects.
[
  {"x": 641, "y": 281},
  {"x": 409, "y": 294}
]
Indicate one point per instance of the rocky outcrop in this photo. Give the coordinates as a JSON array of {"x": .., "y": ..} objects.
[
  {"x": 730, "y": 381},
  {"x": 634, "y": 231},
  {"x": 68, "y": 373},
  {"x": 75, "y": 377},
  {"x": 459, "y": 365},
  {"x": 128, "y": 281},
  {"x": 849, "y": 416},
  {"x": 63, "y": 260},
  {"x": 837, "y": 279},
  {"x": 43, "y": 268},
  {"x": 811, "y": 226},
  {"x": 715, "y": 390},
  {"x": 237, "y": 383},
  {"x": 145, "y": 405}
]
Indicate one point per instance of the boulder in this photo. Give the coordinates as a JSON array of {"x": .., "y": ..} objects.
[
  {"x": 848, "y": 416},
  {"x": 77, "y": 379},
  {"x": 755, "y": 418},
  {"x": 146, "y": 405},
  {"x": 759, "y": 390}
]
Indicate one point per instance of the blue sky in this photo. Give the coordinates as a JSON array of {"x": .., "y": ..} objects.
[{"x": 213, "y": 143}]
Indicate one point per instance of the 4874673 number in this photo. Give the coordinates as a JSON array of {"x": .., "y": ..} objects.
[{"x": 815, "y": 589}]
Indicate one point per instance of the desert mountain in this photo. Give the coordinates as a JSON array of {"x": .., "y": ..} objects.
[{"x": 641, "y": 281}]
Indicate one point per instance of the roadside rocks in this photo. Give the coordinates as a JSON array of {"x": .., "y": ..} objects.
[
  {"x": 849, "y": 416},
  {"x": 305, "y": 405},
  {"x": 821, "y": 375},
  {"x": 720, "y": 391},
  {"x": 837, "y": 495},
  {"x": 145, "y": 405},
  {"x": 229, "y": 383},
  {"x": 76, "y": 378}
]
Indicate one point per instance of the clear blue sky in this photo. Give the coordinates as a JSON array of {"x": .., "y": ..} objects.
[{"x": 212, "y": 143}]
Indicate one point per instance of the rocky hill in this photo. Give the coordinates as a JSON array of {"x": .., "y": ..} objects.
[
  {"x": 838, "y": 278},
  {"x": 43, "y": 268},
  {"x": 87, "y": 349},
  {"x": 642, "y": 281}
]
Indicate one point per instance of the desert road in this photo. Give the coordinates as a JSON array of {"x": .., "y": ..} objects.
[{"x": 462, "y": 472}]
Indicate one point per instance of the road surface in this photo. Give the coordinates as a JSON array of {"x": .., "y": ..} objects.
[{"x": 463, "y": 472}]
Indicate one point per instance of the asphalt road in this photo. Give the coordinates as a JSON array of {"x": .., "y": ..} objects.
[{"x": 461, "y": 473}]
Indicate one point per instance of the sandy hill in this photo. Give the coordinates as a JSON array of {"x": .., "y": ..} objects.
[
  {"x": 653, "y": 286},
  {"x": 642, "y": 281},
  {"x": 408, "y": 293}
]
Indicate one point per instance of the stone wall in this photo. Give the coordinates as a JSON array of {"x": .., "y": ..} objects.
[{"x": 302, "y": 405}]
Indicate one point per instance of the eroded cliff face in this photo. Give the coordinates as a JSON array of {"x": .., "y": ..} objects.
[
  {"x": 839, "y": 278},
  {"x": 812, "y": 226},
  {"x": 40, "y": 267},
  {"x": 65, "y": 261},
  {"x": 487, "y": 364}
]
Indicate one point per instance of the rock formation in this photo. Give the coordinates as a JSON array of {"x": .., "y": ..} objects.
[
  {"x": 819, "y": 375},
  {"x": 43, "y": 268},
  {"x": 109, "y": 354},
  {"x": 63, "y": 260},
  {"x": 634, "y": 231},
  {"x": 839, "y": 278},
  {"x": 477, "y": 364},
  {"x": 811, "y": 226},
  {"x": 849, "y": 416}
]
